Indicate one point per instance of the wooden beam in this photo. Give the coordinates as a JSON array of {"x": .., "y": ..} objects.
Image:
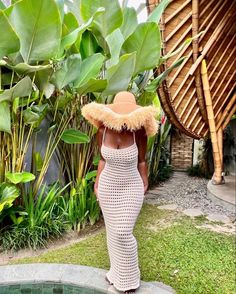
[
  {"x": 184, "y": 20},
  {"x": 184, "y": 93},
  {"x": 231, "y": 113},
  {"x": 223, "y": 67},
  {"x": 212, "y": 40},
  {"x": 181, "y": 39},
  {"x": 224, "y": 90},
  {"x": 180, "y": 68},
  {"x": 226, "y": 112},
  {"x": 177, "y": 11},
  {"x": 216, "y": 56},
  {"x": 186, "y": 115},
  {"x": 195, "y": 46}
]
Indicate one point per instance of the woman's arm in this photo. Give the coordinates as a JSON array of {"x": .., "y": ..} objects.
[
  {"x": 102, "y": 162},
  {"x": 141, "y": 141}
]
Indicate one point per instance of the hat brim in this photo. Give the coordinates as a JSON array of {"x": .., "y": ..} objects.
[{"x": 143, "y": 116}]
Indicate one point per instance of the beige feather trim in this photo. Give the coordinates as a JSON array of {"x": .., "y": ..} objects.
[{"x": 98, "y": 114}]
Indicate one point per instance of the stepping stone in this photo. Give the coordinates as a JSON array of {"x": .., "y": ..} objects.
[
  {"x": 168, "y": 206},
  {"x": 218, "y": 218},
  {"x": 193, "y": 212}
]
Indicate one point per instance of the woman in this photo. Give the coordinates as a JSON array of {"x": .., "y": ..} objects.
[{"x": 122, "y": 179}]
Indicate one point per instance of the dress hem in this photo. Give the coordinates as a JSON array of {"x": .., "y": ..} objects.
[{"x": 123, "y": 289}]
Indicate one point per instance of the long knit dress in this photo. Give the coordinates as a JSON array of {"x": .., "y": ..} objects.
[{"x": 121, "y": 195}]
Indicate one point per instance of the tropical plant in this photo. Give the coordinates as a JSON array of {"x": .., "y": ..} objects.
[
  {"x": 52, "y": 61},
  {"x": 35, "y": 221},
  {"x": 55, "y": 62},
  {"x": 8, "y": 193},
  {"x": 80, "y": 205},
  {"x": 159, "y": 169}
]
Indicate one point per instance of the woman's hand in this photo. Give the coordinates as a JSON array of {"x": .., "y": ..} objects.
[
  {"x": 96, "y": 189},
  {"x": 145, "y": 184},
  {"x": 145, "y": 188}
]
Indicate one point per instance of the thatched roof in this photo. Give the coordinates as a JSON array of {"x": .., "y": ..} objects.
[{"x": 182, "y": 93}]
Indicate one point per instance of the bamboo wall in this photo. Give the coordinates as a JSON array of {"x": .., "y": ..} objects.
[
  {"x": 181, "y": 94},
  {"x": 199, "y": 96}
]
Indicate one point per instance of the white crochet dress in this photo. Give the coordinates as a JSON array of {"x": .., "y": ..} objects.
[{"x": 121, "y": 195}]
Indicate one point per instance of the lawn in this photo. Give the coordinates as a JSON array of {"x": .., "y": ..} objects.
[{"x": 171, "y": 250}]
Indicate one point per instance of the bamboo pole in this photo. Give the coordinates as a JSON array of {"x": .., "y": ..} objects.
[
  {"x": 220, "y": 143},
  {"x": 195, "y": 46},
  {"x": 217, "y": 177}
]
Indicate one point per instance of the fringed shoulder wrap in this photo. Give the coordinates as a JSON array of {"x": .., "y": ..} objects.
[{"x": 98, "y": 114}]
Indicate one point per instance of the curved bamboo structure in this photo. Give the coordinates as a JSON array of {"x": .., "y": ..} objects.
[{"x": 182, "y": 95}]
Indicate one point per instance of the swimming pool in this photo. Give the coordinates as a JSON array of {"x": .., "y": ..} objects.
[
  {"x": 46, "y": 288},
  {"x": 53, "y": 278}
]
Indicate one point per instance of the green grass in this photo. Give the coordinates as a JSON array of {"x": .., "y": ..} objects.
[{"x": 189, "y": 259}]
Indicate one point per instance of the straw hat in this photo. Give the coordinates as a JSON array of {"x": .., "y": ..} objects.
[{"x": 124, "y": 112}]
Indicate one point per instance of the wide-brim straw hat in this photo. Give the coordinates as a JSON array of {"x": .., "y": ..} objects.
[{"x": 124, "y": 112}]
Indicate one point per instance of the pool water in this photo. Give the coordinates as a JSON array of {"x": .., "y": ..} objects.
[{"x": 45, "y": 288}]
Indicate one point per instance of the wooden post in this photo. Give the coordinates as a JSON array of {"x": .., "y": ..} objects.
[{"x": 217, "y": 177}]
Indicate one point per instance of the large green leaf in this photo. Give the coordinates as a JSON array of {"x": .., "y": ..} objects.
[
  {"x": 38, "y": 25},
  {"x": 70, "y": 23},
  {"x": 158, "y": 11},
  {"x": 68, "y": 71},
  {"x": 72, "y": 136},
  {"x": 35, "y": 114},
  {"x": 114, "y": 41},
  {"x": 10, "y": 42},
  {"x": 146, "y": 41},
  {"x": 24, "y": 68},
  {"x": 90, "y": 68},
  {"x": 22, "y": 177},
  {"x": 74, "y": 7},
  {"x": 5, "y": 117},
  {"x": 60, "y": 4},
  {"x": 108, "y": 21},
  {"x": 8, "y": 193},
  {"x": 157, "y": 81},
  {"x": 130, "y": 22},
  {"x": 88, "y": 45},
  {"x": 21, "y": 89},
  {"x": 2, "y": 5},
  {"x": 92, "y": 85},
  {"x": 73, "y": 36},
  {"x": 119, "y": 75}
]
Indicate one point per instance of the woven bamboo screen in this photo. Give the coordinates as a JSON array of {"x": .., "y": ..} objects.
[{"x": 182, "y": 94}]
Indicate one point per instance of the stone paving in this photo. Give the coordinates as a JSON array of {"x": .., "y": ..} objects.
[
  {"x": 189, "y": 196},
  {"x": 77, "y": 275}
]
